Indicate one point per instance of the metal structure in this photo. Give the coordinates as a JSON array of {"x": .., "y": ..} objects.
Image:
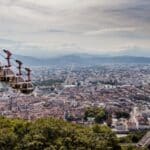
[{"x": 15, "y": 81}]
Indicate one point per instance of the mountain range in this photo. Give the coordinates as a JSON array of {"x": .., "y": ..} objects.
[
  {"x": 81, "y": 59},
  {"x": 134, "y": 51}
]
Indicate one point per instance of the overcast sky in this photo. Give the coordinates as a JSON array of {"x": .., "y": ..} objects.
[{"x": 51, "y": 27}]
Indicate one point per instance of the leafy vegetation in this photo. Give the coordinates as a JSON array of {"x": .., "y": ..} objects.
[
  {"x": 99, "y": 114},
  {"x": 129, "y": 141},
  {"x": 53, "y": 134},
  {"x": 133, "y": 137}
]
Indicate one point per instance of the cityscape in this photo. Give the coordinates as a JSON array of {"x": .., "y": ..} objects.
[
  {"x": 74, "y": 75},
  {"x": 122, "y": 90}
]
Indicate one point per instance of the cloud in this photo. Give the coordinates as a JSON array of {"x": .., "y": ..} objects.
[
  {"x": 93, "y": 26},
  {"x": 108, "y": 30}
]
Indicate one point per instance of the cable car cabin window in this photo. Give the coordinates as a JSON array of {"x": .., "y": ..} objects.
[
  {"x": 20, "y": 79},
  {"x": 4, "y": 72},
  {"x": 30, "y": 85},
  {"x": 8, "y": 72},
  {"x": 24, "y": 86}
]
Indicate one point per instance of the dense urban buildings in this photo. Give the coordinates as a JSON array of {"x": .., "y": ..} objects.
[{"x": 67, "y": 92}]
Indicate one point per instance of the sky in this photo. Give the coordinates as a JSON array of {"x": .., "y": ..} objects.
[{"x": 45, "y": 28}]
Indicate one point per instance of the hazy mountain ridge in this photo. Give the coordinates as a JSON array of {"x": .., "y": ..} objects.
[
  {"x": 82, "y": 59},
  {"x": 134, "y": 51}
]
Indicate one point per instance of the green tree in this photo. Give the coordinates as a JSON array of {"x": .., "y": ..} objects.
[
  {"x": 53, "y": 134},
  {"x": 99, "y": 114}
]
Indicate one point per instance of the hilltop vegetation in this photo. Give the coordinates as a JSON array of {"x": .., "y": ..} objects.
[{"x": 53, "y": 134}]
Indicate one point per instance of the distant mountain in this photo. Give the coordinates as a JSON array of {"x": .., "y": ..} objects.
[
  {"x": 28, "y": 60},
  {"x": 82, "y": 60},
  {"x": 135, "y": 51}
]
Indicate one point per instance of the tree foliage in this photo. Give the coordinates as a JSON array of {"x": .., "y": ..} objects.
[
  {"x": 53, "y": 134},
  {"x": 99, "y": 114}
]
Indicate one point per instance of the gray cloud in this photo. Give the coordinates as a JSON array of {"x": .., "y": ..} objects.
[{"x": 93, "y": 26}]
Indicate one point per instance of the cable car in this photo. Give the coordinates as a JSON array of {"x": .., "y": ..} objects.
[
  {"x": 18, "y": 83},
  {"x": 27, "y": 87},
  {"x": 6, "y": 74},
  {"x": 17, "y": 80}
]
